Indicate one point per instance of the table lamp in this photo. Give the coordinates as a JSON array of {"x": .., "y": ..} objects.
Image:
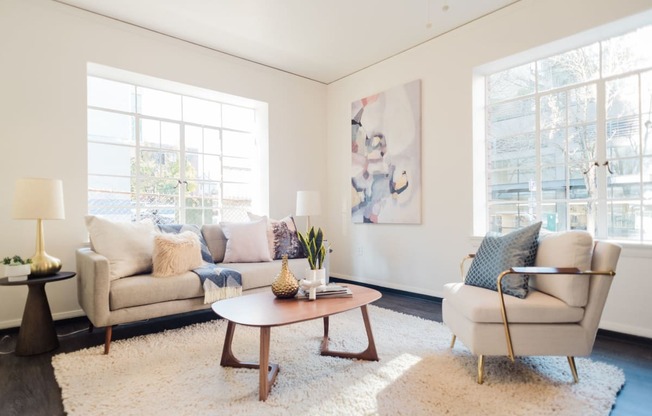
[
  {"x": 308, "y": 203},
  {"x": 40, "y": 199}
]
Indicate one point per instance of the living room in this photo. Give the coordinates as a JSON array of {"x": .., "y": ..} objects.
[{"x": 48, "y": 45}]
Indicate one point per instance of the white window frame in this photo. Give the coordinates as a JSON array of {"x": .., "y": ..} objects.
[
  {"x": 481, "y": 73},
  {"x": 259, "y": 182}
]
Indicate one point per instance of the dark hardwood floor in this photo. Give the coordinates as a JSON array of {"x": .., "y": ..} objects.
[{"x": 28, "y": 386}]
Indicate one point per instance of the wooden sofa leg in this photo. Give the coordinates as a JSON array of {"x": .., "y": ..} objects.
[
  {"x": 107, "y": 339},
  {"x": 453, "y": 341},
  {"x": 571, "y": 363}
]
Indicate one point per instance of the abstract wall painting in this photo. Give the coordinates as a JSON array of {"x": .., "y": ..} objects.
[{"x": 386, "y": 156}]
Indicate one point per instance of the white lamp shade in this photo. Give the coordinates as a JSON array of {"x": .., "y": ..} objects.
[
  {"x": 308, "y": 203},
  {"x": 36, "y": 198}
]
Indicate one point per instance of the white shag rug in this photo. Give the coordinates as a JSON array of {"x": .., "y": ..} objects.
[{"x": 178, "y": 372}]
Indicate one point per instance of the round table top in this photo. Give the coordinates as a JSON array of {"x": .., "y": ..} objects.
[{"x": 37, "y": 280}]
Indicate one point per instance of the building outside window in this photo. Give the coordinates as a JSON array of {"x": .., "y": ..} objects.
[
  {"x": 566, "y": 140},
  {"x": 172, "y": 157}
]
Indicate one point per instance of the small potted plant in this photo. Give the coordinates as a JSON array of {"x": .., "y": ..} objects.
[
  {"x": 313, "y": 247},
  {"x": 15, "y": 268}
]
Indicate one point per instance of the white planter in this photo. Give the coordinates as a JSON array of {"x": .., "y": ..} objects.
[
  {"x": 13, "y": 271},
  {"x": 316, "y": 275}
]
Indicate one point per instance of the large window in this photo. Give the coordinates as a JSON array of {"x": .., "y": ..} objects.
[
  {"x": 566, "y": 140},
  {"x": 172, "y": 157}
]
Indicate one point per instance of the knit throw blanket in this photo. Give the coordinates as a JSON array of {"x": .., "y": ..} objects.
[{"x": 218, "y": 282}]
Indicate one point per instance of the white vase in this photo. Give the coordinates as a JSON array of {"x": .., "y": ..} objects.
[{"x": 316, "y": 275}]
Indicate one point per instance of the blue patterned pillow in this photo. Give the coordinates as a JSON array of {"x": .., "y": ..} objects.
[{"x": 498, "y": 253}]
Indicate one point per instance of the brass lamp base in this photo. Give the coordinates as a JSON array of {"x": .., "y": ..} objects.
[{"x": 44, "y": 265}]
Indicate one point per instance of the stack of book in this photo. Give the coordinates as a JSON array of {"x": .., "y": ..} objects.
[{"x": 329, "y": 291}]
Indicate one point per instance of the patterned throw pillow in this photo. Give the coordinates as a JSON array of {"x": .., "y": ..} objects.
[
  {"x": 282, "y": 236},
  {"x": 498, "y": 253}
]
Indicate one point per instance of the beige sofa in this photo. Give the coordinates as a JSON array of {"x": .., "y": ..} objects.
[{"x": 109, "y": 301}]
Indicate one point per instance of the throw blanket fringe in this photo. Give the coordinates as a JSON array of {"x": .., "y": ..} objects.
[
  {"x": 213, "y": 293},
  {"x": 219, "y": 282}
]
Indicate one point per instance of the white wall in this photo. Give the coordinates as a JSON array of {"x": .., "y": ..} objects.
[
  {"x": 423, "y": 258},
  {"x": 45, "y": 47}
]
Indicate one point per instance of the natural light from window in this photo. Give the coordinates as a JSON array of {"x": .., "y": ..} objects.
[{"x": 158, "y": 151}]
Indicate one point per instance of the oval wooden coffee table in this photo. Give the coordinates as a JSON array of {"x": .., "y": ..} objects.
[{"x": 264, "y": 310}]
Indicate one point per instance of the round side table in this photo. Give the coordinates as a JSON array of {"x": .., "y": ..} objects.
[{"x": 37, "y": 334}]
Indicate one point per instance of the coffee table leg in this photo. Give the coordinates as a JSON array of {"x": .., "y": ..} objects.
[
  {"x": 370, "y": 354},
  {"x": 267, "y": 370}
]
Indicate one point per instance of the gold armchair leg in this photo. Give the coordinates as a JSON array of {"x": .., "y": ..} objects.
[
  {"x": 453, "y": 341},
  {"x": 480, "y": 369},
  {"x": 571, "y": 362}
]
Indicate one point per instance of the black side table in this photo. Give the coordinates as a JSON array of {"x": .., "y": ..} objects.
[{"x": 37, "y": 334}]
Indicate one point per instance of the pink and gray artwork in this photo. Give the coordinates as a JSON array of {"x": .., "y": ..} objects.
[{"x": 386, "y": 156}]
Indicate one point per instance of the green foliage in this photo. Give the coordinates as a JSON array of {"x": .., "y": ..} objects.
[
  {"x": 15, "y": 260},
  {"x": 313, "y": 247}
]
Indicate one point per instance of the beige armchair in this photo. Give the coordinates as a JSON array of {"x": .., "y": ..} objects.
[{"x": 559, "y": 316}]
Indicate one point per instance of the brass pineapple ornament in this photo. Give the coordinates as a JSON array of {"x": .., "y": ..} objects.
[{"x": 285, "y": 285}]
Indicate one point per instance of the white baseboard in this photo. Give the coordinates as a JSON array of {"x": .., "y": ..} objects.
[
  {"x": 389, "y": 285},
  {"x": 15, "y": 323}
]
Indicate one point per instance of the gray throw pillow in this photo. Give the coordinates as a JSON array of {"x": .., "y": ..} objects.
[{"x": 498, "y": 253}]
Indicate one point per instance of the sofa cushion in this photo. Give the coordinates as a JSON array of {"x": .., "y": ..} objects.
[
  {"x": 146, "y": 289},
  {"x": 127, "y": 245},
  {"x": 483, "y": 305},
  {"x": 282, "y": 237},
  {"x": 215, "y": 240},
  {"x": 176, "y": 253},
  {"x": 565, "y": 249},
  {"x": 498, "y": 253},
  {"x": 246, "y": 241}
]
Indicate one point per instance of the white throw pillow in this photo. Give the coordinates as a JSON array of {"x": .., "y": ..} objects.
[
  {"x": 176, "y": 253},
  {"x": 246, "y": 241},
  {"x": 565, "y": 249},
  {"x": 127, "y": 245}
]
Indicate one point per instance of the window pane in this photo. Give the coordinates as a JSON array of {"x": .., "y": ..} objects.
[
  {"x": 211, "y": 169},
  {"x": 582, "y": 185},
  {"x": 582, "y": 104},
  {"x": 110, "y": 196},
  {"x": 157, "y": 103},
  {"x": 514, "y": 151},
  {"x": 237, "y": 170},
  {"x": 111, "y": 94},
  {"x": 170, "y": 136},
  {"x": 553, "y": 182},
  {"x": 159, "y": 200},
  {"x": 625, "y": 181},
  {"x": 581, "y": 144},
  {"x": 150, "y": 133},
  {"x": 647, "y": 178},
  {"x": 212, "y": 143},
  {"x": 579, "y": 216},
  {"x": 200, "y": 111},
  {"x": 572, "y": 67},
  {"x": 622, "y": 97},
  {"x": 623, "y": 137},
  {"x": 646, "y": 219},
  {"x": 511, "y": 118},
  {"x": 193, "y": 138},
  {"x": 238, "y": 144},
  {"x": 554, "y": 216},
  {"x": 510, "y": 184},
  {"x": 553, "y": 146},
  {"x": 509, "y": 217},
  {"x": 110, "y": 127},
  {"x": 627, "y": 52},
  {"x": 624, "y": 219},
  {"x": 106, "y": 159},
  {"x": 512, "y": 83},
  {"x": 238, "y": 118},
  {"x": 159, "y": 164},
  {"x": 553, "y": 110}
]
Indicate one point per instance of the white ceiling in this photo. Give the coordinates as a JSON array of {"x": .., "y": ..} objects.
[{"x": 323, "y": 40}]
